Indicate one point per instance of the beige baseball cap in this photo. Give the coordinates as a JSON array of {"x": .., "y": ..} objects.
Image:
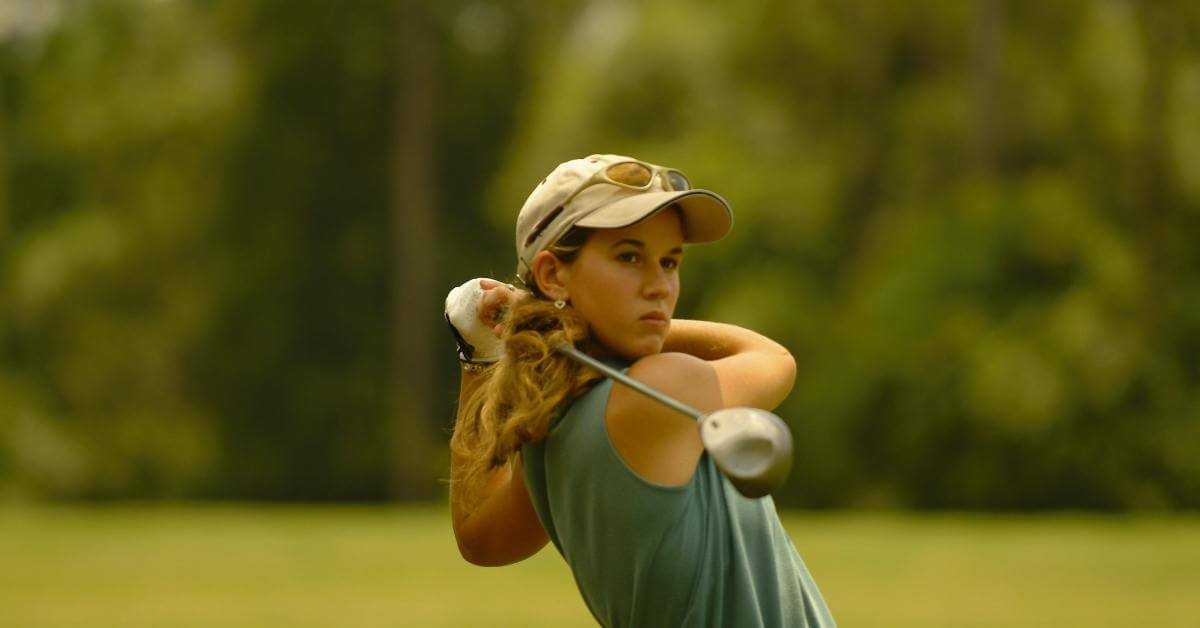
[{"x": 558, "y": 203}]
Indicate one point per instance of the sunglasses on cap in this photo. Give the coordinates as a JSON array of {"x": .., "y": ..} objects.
[{"x": 635, "y": 175}]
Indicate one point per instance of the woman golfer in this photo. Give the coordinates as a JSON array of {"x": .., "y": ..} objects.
[{"x": 545, "y": 449}]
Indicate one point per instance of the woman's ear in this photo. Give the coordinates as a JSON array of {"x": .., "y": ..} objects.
[{"x": 551, "y": 275}]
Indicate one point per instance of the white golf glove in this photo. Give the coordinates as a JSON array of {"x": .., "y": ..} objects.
[{"x": 477, "y": 343}]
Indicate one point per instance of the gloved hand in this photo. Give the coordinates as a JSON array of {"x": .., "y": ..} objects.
[{"x": 474, "y": 312}]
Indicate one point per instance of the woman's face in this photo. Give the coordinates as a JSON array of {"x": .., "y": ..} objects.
[{"x": 624, "y": 277}]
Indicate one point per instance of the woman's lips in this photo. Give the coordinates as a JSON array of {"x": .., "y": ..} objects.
[{"x": 654, "y": 322}]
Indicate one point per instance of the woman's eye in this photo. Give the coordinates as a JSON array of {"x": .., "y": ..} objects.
[{"x": 633, "y": 257}]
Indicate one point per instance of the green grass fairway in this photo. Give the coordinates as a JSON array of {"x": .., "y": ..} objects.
[{"x": 306, "y": 566}]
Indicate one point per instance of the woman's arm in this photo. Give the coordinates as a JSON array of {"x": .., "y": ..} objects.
[
  {"x": 753, "y": 370},
  {"x": 712, "y": 341},
  {"x": 503, "y": 527},
  {"x": 707, "y": 366}
]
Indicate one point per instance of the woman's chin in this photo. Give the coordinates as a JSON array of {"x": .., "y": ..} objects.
[{"x": 643, "y": 347}]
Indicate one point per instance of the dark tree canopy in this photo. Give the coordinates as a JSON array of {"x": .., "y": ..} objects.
[{"x": 973, "y": 224}]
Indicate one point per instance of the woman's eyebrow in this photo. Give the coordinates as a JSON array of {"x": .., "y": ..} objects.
[{"x": 638, "y": 243}]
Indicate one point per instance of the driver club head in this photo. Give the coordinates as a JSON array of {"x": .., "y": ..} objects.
[{"x": 752, "y": 447}]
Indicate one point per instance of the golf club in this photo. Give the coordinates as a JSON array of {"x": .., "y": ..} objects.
[{"x": 752, "y": 447}]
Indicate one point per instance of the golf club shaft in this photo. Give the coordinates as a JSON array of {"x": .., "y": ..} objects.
[{"x": 628, "y": 381}]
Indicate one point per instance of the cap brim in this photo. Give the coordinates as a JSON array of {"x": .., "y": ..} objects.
[{"x": 706, "y": 215}]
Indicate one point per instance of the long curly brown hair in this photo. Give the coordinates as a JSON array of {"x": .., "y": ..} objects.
[{"x": 521, "y": 395}]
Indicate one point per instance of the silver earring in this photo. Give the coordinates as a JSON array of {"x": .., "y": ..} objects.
[{"x": 560, "y": 304}]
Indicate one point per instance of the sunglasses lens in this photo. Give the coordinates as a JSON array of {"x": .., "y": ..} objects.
[
  {"x": 677, "y": 181},
  {"x": 629, "y": 173}
]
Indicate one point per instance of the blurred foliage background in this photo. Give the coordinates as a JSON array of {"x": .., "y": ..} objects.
[{"x": 226, "y": 229}]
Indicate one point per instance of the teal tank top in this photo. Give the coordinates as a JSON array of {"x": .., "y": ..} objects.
[{"x": 642, "y": 554}]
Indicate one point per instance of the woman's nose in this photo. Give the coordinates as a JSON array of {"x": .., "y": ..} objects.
[{"x": 656, "y": 284}]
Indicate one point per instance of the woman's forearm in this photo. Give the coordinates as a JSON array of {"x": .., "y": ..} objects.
[{"x": 708, "y": 340}]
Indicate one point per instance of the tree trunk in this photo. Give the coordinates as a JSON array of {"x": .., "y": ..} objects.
[
  {"x": 1152, "y": 184},
  {"x": 416, "y": 449},
  {"x": 987, "y": 44},
  {"x": 3, "y": 167}
]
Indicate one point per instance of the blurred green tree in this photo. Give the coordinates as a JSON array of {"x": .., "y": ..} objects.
[
  {"x": 119, "y": 122},
  {"x": 225, "y": 228},
  {"x": 969, "y": 222}
]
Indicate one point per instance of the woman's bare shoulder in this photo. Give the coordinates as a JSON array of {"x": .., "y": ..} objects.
[
  {"x": 680, "y": 375},
  {"x": 658, "y": 443}
]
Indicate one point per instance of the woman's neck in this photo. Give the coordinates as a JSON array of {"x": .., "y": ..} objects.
[{"x": 601, "y": 352}]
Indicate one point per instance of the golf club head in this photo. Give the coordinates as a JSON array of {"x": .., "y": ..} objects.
[{"x": 752, "y": 447}]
